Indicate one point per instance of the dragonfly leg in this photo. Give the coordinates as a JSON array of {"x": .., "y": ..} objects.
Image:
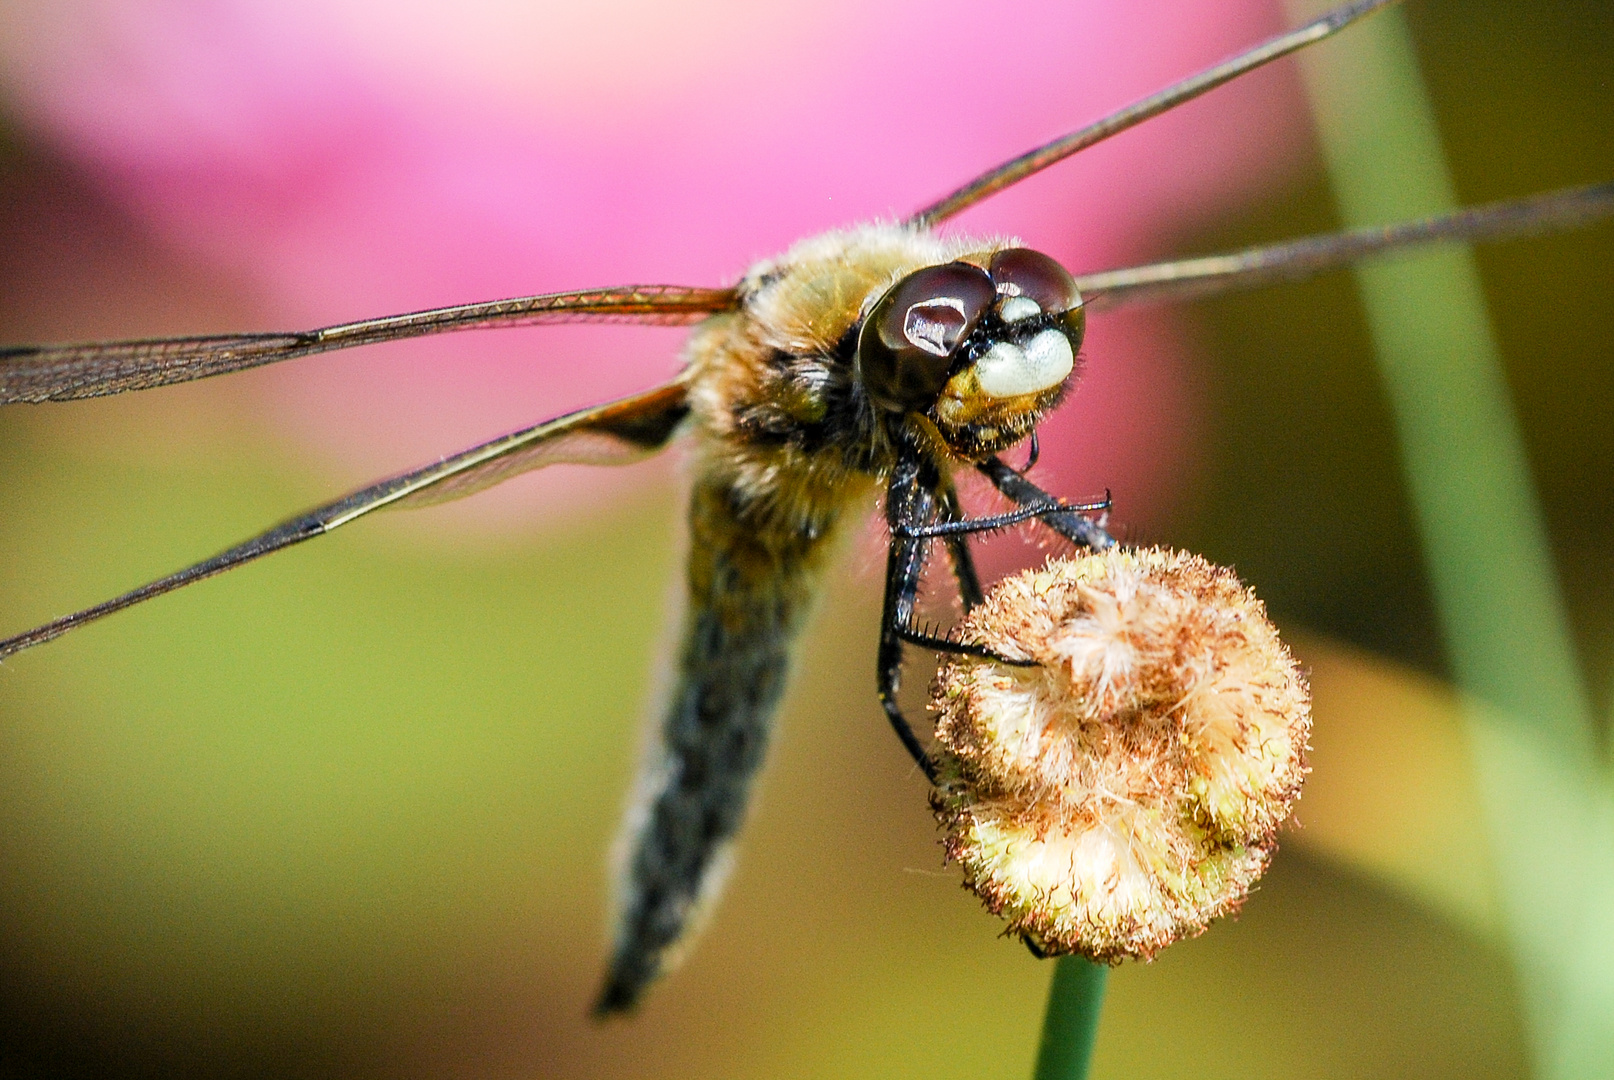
[
  {"x": 1033, "y": 452},
  {"x": 958, "y": 553},
  {"x": 964, "y": 526},
  {"x": 917, "y": 493},
  {"x": 910, "y": 497},
  {"x": 1070, "y": 522}
]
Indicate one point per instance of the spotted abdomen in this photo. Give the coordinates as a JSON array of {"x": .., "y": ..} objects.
[{"x": 750, "y": 587}]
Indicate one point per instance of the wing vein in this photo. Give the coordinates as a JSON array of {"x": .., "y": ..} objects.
[
  {"x": 1016, "y": 169},
  {"x": 37, "y": 373},
  {"x": 1208, "y": 275},
  {"x": 632, "y": 428}
]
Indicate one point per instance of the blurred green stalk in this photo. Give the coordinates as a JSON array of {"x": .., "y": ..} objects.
[
  {"x": 1071, "y": 1024},
  {"x": 1485, "y": 543},
  {"x": 1550, "y": 816}
]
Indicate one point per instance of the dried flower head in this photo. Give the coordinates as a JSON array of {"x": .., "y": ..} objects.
[{"x": 1126, "y": 790}]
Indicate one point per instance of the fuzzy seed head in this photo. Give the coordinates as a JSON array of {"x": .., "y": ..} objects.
[{"x": 1126, "y": 790}]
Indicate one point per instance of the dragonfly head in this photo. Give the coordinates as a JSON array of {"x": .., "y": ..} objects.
[{"x": 983, "y": 349}]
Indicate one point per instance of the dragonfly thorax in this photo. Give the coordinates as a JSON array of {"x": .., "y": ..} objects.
[{"x": 853, "y": 335}]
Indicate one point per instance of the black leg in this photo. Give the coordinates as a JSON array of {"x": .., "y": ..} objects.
[
  {"x": 965, "y": 526},
  {"x": 944, "y": 644},
  {"x": 958, "y": 553},
  {"x": 909, "y": 497},
  {"x": 1032, "y": 454},
  {"x": 914, "y": 498},
  {"x": 1072, "y": 525}
]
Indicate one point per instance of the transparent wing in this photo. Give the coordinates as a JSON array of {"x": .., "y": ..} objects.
[
  {"x": 613, "y": 434},
  {"x": 33, "y": 373},
  {"x": 1186, "y": 279},
  {"x": 1034, "y": 161}
]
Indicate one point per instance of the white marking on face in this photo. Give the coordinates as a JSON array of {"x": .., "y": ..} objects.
[
  {"x": 1009, "y": 370},
  {"x": 1015, "y": 308}
]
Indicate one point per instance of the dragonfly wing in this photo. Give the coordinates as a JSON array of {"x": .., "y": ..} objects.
[
  {"x": 1187, "y": 279},
  {"x": 615, "y": 433},
  {"x": 1034, "y": 161},
  {"x": 35, "y": 373},
  {"x": 618, "y": 433}
]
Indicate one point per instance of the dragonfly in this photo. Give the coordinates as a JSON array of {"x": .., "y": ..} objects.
[{"x": 883, "y": 359}]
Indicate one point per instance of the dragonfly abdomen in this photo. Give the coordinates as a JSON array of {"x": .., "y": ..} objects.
[{"x": 750, "y": 590}]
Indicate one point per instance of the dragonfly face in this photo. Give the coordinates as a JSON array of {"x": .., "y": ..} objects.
[
  {"x": 983, "y": 346},
  {"x": 978, "y": 342},
  {"x": 883, "y": 356}
]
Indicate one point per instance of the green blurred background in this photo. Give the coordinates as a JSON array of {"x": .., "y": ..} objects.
[{"x": 343, "y": 813}]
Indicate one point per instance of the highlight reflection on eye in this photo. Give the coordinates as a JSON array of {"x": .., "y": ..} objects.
[
  {"x": 906, "y": 347},
  {"x": 936, "y": 325}
]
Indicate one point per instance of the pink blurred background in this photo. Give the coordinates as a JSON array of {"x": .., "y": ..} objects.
[
  {"x": 345, "y": 813},
  {"x": 351, "y": 158}
]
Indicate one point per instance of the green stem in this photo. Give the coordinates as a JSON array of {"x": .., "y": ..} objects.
[
  {"x": 1071, "y": 1025},
  {"x": 1485, "y": 546}
]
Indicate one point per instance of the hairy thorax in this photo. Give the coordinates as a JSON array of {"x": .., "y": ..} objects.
[{"x": 779, "y": 418}]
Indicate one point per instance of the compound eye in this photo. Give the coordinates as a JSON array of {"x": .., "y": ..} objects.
[
  {"x": 905, "y": 349},
  {"x": 1021, "y": 272},
  {"x": 1024, "y": 278}
]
